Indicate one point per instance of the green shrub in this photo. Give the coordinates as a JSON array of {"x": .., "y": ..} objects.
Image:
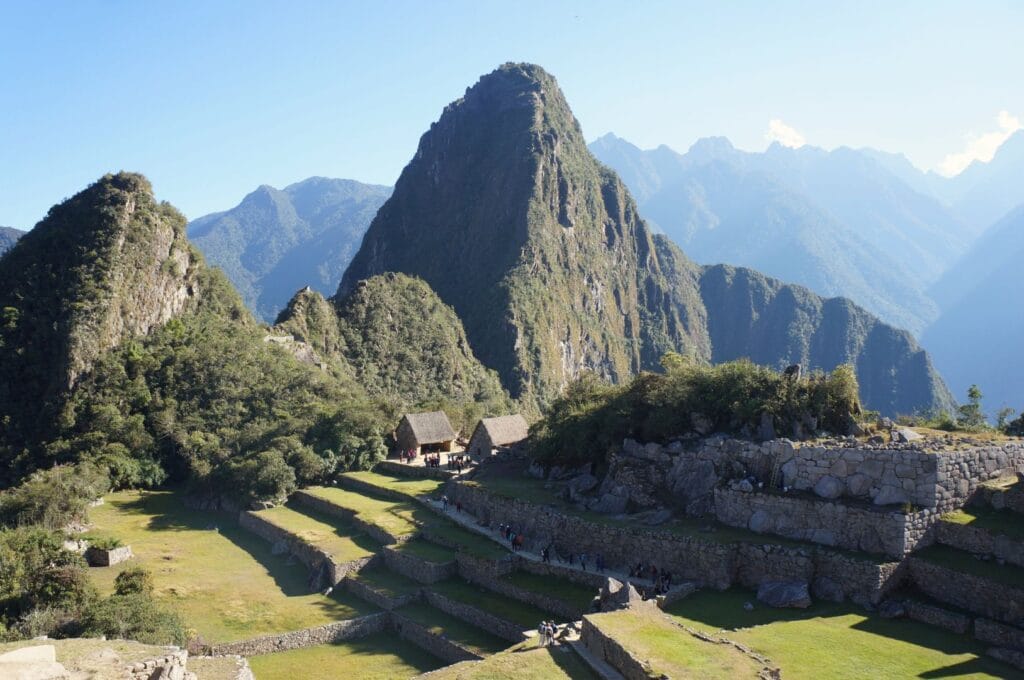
[
  {"x": 134, "y": 581},
  {"x": 591, "y": 418},
  {"x": 134, "y": 616},
  {"x": 105, "y": 543},
  {"x": 53, "y": 498}
]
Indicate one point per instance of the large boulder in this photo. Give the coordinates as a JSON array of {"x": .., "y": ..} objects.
[
  {"x": 693, "y": 485},
  {"x": 618, "y": 595},
  {"x": 611, "y": 503},
  {"x": 829, "y": 487},
  {"x": 793, "y": 594}
]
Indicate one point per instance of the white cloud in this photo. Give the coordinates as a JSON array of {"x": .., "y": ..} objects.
[
  {"x": 784, "y": 134},
  {"x": 980, "y": 147}
]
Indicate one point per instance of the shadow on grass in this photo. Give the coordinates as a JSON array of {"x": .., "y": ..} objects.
[
  {"x": 724, "y": 610},
  {"x": 971, "y": 667}
]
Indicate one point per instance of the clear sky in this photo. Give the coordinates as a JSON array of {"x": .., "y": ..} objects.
[{"x": 210, "y": 99}]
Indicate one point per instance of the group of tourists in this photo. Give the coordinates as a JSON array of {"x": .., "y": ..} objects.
[
  {"x": 432, "y": 461},
  {"x": 573, "y": 558},
  {"x": 662, "y": 579},
  {"x": 514, "y": 539},
  {"x": 408, "y": 456},
  {"x": 444, "y": 504},
  {"x": 458, "y": 463},
  {"x": 547, "y": 631}
]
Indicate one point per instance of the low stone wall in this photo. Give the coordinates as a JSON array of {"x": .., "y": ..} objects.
[
  {"x": 562, "y": 609},
  {"x": 476, "y": 617},
  {"x": 998, "y": 634},
  {"x": 477, "y": 568},
  {"x": 417, "y": 568},
  {"x": 351, "y": 629},
  {"x": 981, "y": 542},
  {"x": 367, "y": 489},
  {"x": 937, "y": 616},
  {"x": 830, "y": 523},
  {"x": 969, "y": 592},
  {"x": 706, "y": 562},
  {"x": 841, "y": 575},
  {"x": 376, "y": 597},
  {"x": 611, "y": 652},
  {"x": 591, "y": 579},
  {"x": 174, "y": 663},
  {"x": 446, "y": 650},
  {"x": 331, "y": 510},
  {"x": 392, "y": 467},
  {"x": 100, "y": 557}
]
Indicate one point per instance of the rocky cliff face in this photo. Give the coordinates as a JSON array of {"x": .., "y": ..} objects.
[
  {"x": 107, "y": 264},
  {"x": 8, "y": 237},
  {"x": 541, "y": 252}
]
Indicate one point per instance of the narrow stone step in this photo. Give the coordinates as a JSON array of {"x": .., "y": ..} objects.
[{"x": 599, "y": 666}]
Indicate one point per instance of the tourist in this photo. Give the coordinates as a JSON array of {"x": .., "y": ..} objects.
[
  {"x": 458, "y": 506},
  {"x": 599, "y": 563},
  {"x": 517, "y": 543},
  {"x": 444, "y": 502},
  {"x": 583, "y": 561},
  {"x": 572, "y": 557}
]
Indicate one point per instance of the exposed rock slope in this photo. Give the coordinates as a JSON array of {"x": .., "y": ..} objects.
[
  {"x": 8, "y": 237},
  {"x": 541, "y": 252}
]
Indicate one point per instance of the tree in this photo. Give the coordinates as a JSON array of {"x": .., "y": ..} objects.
[{"x": 971, "y": 415}]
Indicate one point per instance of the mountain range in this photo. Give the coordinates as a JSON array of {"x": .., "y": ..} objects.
[
  {"x": 542, "y": 253},
  {"x": 277, "y": 241},
  {"x": 8, "y": 237}
]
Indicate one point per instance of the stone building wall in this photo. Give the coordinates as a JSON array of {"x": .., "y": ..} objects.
[
  {"x": 417, "y": 568},
  {"x": 831, "y": 523},
  {"x": 309, "y": 637},
  {"x": 476, "y": 617},
  {"x": 326, "y": 508},
  {"x": 101, "y": 557},
  {"x": 444, "y": 649},
  {"x": 981, "y": 542},
  {"x": 984, "y": 597}
]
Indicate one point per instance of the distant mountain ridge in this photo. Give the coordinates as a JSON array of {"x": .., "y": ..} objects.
[
  {"x": 837, "y": 222},
  {"x": 540, "y": 250},
  {"x": 8, "y": 237},
  {"x": 277, "y": 241}
]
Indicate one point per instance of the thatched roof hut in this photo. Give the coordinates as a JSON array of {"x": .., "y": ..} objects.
[
  {"x": 494, "y": 433},
  {"x": 425, "y": 431}
]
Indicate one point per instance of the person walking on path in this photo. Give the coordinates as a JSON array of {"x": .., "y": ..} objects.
[
  {"x": 583, "y": 561},
  {"x": 444, "y": 502},
  {"x": 542, "y": 633}
]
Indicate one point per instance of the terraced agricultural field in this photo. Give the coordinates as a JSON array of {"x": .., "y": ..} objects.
[
  {"x": 398, "y": 518},
  {"x": 223, "y": 579},
  {"x": 331, "y": 535},
  {"x": 409, "y": 486},
  {"x": 383, "y": 656},
  {"x": 838, "y": 641},
  {"x": 457, "y": 630},
  {"x": 522, "y": 662}
]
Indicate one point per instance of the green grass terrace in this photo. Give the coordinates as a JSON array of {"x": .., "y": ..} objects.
[
  {"x": 224, "y": 580},
  {"x": 382, "y": 656},
  {"x": 451, "y": 628},
  {"x": 333, "y": 536},
  {"x": 524, "y": 615},
  {"x": 525, "y": 661},
  {"x": 997, "y": 522},
  {"x": 838, "y": 641}
]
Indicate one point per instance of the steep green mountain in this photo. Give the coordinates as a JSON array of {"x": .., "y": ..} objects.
[
  {"x": 118, "y": 345},
  {"x": 403, "y": 343},
  {"x": 978, "y": 337},
  {"x": 840, "y": 222},
  {"x": 540, "y": 250},
  {"x": 8, "y": 237},
  {"x": 277, "y": 241}
]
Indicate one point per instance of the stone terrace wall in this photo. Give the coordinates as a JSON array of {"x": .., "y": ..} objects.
[
  {"x": 961, "y": 472},
  {"x": 937, "y": 616},
  {"x": 825, "y": 522},
  {"x": 331, "y": 510},
  {"x": 309, "y": 637},
  {"x": 416, "y": 568},
  {"x": 980, "y": 541},
  {"x": 608, "y": 650},
  {"x": 174, "y": 662},
  {"x": 564, "y": 610},
  {"x": 446, "y": 650},
  {"x": 422, "y": 471},
  {"x": 478, "y": 569},
  {"x": 476, "y": 617},
  {"x": 376, "y": 597},
  {"x": 979, "y": 595},
  {"x": 591, "y": 579},
  {"x": 998, "y": 634},
  {"x": 706, "y": 562}
]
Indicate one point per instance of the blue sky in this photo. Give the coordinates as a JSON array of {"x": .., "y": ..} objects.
[{"x": 210, "y": 99}]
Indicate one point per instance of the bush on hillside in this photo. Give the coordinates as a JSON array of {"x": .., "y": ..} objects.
[
  {"x": 591, "y": 418},
  {"x": 134, "y": 581},
  {"x": 53, "y": 498}
]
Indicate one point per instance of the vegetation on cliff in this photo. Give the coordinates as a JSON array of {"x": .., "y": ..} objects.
[{"x": 591, "y": 419}]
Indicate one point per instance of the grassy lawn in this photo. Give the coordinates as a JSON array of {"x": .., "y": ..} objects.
[
  {"x": 431, "y": 552},
  {"x": 469, "y": 542},
  {"x": 1004, "y": 522},
  {"x": 522, "y": 662},
  {"x": 961, "y": 560},
  {"x": 213, "y": 667},
  {"x": 577, "y": 595},
  {"x": 398, "y": 518},
  {"x": 410, "y": 486},
  {"x": 379, "y": 657},
  {"x": 669, "y": 651},
  {"x": 838, "y": 641},
  {"x": 451, "y": 628},
  {"x": 331, "y": 535},
  {"x": 524, "y": 615},
  {"x": 225, "y": 582},
  {"x": 386, "y": 581}
]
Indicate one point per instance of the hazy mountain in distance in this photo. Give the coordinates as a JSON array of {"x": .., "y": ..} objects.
[
  {"x": 985, "y": 192},
  {"x": 276, "y": 241},
  {"x": 8, "y": 237},
  {"x": 979, "y": 335},
  {"x": 542, "y": 254},
  {"x": 837, "y": 222}
]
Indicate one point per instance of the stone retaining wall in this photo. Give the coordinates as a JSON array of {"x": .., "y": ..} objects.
[
  {"x": 611, "y": 652},
  {"x": 960, "y": 473},
  {"x": 998, "y": 634},
  {"x": 689, "y": 558},
  {"x": 982, "y": 596},
  {"x": 159, "y": 667},
  {"x": 420, "y": 471},
  {"x": 590, "y": 579},
  {"x": 309, "y": 637},
  {"x": 477, "y": 617},
  {"x": 446, "y": 650},
  {"x": 825, "y": 522},
  {"x": 417, "y": 568},
  {"x": 376, "y": 597},
  {"x": 981, "y": 542},
  {"x": 937, "y": 616},
  {"x": 367, "y": 489},
  {"x": 331, "y": 510},
  {"x": 561, "y": 608},
  {"x": 101, "y": 557},
  {"x": 477, "y": 568}
]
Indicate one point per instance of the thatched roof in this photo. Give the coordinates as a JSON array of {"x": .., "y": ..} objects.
[
  {"x": 430, "y": 428},
  {"x": 505, "y": 430}
]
